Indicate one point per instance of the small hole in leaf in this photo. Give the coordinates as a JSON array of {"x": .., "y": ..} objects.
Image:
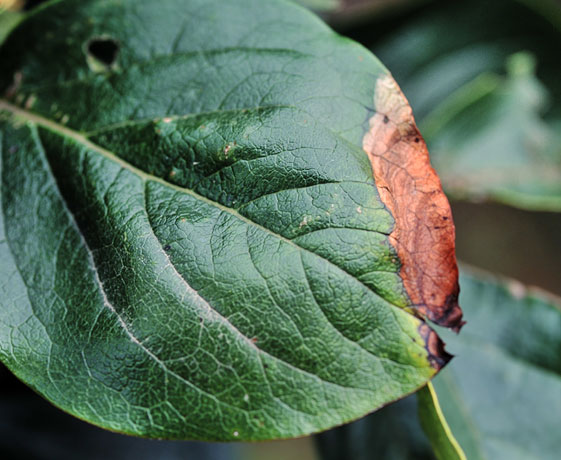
[{"x": 102, "y": 53}]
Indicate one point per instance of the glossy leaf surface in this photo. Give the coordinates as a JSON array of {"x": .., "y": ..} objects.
[{"x": 193, "y": 245}]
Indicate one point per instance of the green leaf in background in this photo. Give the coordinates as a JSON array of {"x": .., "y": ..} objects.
[
  {"x": 501, "y": 395},
  {"x": 490, "y": 141},
  {"x": 192, "y": 242},
  {"x": 480, "y": 36},
  {"x": 491, "y": 124}
]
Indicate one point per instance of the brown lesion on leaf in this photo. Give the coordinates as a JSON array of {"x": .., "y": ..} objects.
[
  {"x": 424, "y": 233},
  {"x": 437, "y": 355}
]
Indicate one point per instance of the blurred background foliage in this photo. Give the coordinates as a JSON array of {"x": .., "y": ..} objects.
[{"x": 484, "y": 81}]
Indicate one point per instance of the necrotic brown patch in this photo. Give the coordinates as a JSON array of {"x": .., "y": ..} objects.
[
  {"x": 423, "y": 234},
  {"x": 438, "y": 357}
]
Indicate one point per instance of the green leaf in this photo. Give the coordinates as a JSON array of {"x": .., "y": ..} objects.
[
  {"x": 192, "y": 242},
  {"x": 502, "y": 393},
  {"x": 490, "y": 141},
  {"x": 492, "y": 136},
  {"x": 436, "y": 427}
]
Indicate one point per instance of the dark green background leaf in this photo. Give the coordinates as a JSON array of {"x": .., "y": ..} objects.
[{"x": 502, "y": 394}]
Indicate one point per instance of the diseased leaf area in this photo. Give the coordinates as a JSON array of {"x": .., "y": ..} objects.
[{"x": 192, "y": 242}]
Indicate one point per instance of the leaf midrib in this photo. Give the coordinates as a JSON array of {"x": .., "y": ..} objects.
[{"x": 80, "y": 138}]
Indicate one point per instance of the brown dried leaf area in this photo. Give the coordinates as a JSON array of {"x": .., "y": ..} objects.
[{"x": 423, "y": 234}]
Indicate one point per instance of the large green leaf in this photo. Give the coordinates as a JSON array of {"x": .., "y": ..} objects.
[
  {"x": 192, "y": 242},
  {"x": 491, "y": 124}
]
